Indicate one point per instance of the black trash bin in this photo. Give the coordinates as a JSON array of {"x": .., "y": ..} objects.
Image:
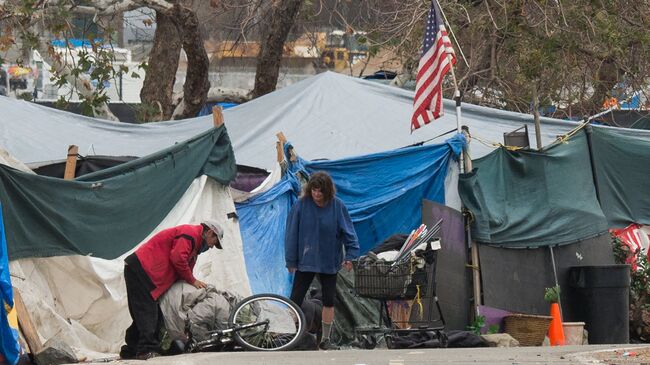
[{"x": 600, "y": 297}]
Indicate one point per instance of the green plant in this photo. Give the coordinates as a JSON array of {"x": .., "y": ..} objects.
[
  {"x": 146, "y": 113},
  {"x": 639, "y": 271},
  {"x": 477, "y": 325},
  {"x": 622, "y": 253},
  {"x": 640, "y": 280},
  {"x": 25, "y": 96},
  {"x": 552, "y": 294}
]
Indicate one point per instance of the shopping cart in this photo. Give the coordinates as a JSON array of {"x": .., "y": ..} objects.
[{"x": 409, "y": 285}]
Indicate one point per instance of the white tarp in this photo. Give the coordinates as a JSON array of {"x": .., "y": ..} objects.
[
  {"x": 326, "y": 116},
  {"x": 82, "y": 299},
  {"x": 9, "y": 160}
]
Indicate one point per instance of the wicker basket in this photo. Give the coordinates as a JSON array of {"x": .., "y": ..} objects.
[{"x": 528, "y": 329}]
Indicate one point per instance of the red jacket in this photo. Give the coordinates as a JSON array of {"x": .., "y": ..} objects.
[{"x": 169, "y": 256}]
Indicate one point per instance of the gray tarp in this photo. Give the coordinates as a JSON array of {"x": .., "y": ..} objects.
[{"x": 326, "y": 116}]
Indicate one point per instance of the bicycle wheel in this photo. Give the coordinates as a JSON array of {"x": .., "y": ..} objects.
[{"x": 267, "y": 322}]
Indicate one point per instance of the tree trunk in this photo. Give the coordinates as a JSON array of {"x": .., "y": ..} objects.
[
  {"x": 158, "y": 86},
  {"x": 606, "y": 79},
  {"x": 283, "y": 16},
  {"x": 195, "y": 89}
]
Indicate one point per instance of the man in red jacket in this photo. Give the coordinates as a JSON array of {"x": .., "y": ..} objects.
[{"x": 167, "y": 257}]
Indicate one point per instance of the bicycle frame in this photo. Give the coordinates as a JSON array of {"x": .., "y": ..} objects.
[
  {"x": 260, "y": 322},
  {"x": 222, "y": 337}
]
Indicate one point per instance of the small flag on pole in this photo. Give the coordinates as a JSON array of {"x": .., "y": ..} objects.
[{"x": 434, "y": 64}]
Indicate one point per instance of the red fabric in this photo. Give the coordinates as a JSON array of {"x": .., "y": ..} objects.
[
  {"x": 631, "y": 237},
  {"x": 167, "y": 259}
]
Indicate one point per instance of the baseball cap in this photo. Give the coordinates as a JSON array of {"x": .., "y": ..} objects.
[{"x": 216, "y": 228}]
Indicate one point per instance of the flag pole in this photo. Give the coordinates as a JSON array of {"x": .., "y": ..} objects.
[
  {"x": 457, "y": 98},
  {"x": 465, "y": 164},
  {"x": 453, "y": 73}
]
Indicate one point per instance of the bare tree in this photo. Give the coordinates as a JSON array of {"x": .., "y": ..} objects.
[
  {"x": 24, "y": 16},
  {"x": 283, "y": 15},
  {"x": 158, "y": 88},
  {"x": 574, "y": 53}
]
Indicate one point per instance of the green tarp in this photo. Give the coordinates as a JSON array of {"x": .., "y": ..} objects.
[
  {"x": 352, "y": 311},
  {"x": 622, "y": 164},
  {"x": 643, "y": 123},
  {"x": 530, "y": 199},
  {"x": 107, "y": 213}
]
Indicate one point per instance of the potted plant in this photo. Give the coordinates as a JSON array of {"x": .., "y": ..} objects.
[{"x": 555, "y": 330}]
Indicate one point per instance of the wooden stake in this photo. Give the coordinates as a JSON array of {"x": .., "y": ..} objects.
[
  {"x": 26, "y": 325},
  {"x": 282, "y": 139},
  {"x": 217, "y": 116},
  {"x": 279, "y": 152},
  {"x": 476, "y": 276},
  {"x": 71, "y": 162}
]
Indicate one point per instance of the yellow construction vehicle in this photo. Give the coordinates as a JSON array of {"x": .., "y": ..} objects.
[{"x": 343, "y": 49}]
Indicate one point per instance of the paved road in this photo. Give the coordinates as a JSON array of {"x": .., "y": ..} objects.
[{"x": 514, "y": 356}]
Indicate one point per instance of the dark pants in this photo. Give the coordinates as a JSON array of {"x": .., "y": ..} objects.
[
  {"x": 142, "y": 335},
  {"x": 302, "y": 281}
]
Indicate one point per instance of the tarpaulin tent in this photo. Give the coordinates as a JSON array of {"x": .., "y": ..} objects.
[
  {"x": 568, "y": 195},
  {"x": 622, "y": 166},
  {"x": 329, "y": 116},
  {"x": 262, "y": 220},
  {"x": 80, "y": 297},
  {"x": 104, "y": 210},
  {"x": 531, "y": 198},
  {"x": 382, "y": 191}
]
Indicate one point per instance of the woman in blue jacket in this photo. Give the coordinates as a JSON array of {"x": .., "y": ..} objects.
[{"x": 319, "y": 228}]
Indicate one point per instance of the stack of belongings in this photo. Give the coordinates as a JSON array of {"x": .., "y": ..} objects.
[
  {"x": 397, "y": 269},
  {"x": 191, "y": 313}
]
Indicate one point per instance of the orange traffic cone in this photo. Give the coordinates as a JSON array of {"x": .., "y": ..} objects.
[{"x": 555, "y": 331}]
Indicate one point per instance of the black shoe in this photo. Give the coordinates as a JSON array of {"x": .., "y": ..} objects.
[
  {"x": 126, "y": 353},
  {"x": 147, "y": 355},
  {"x": 327, "y": 345}
]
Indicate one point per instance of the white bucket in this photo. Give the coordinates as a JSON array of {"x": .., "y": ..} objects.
[{"x": 573, "y": 332}]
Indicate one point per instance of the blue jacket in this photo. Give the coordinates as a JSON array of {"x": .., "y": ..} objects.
[{"x": 315, "y": 237}]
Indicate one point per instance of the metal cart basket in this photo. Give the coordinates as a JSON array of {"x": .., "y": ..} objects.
[{"x": 408, "y": 283}]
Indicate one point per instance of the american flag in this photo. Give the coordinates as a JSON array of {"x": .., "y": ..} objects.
[{"x": 434, "y": 64}]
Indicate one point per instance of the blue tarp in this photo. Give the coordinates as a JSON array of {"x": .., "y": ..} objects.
[
  {"x": 76, "y": 42},
  {"x": 207, "y": 107},
  {"x": 8, "y": 335},
  {"x": 383, "y": 192},
  {"x": 262, "y": 225}
]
